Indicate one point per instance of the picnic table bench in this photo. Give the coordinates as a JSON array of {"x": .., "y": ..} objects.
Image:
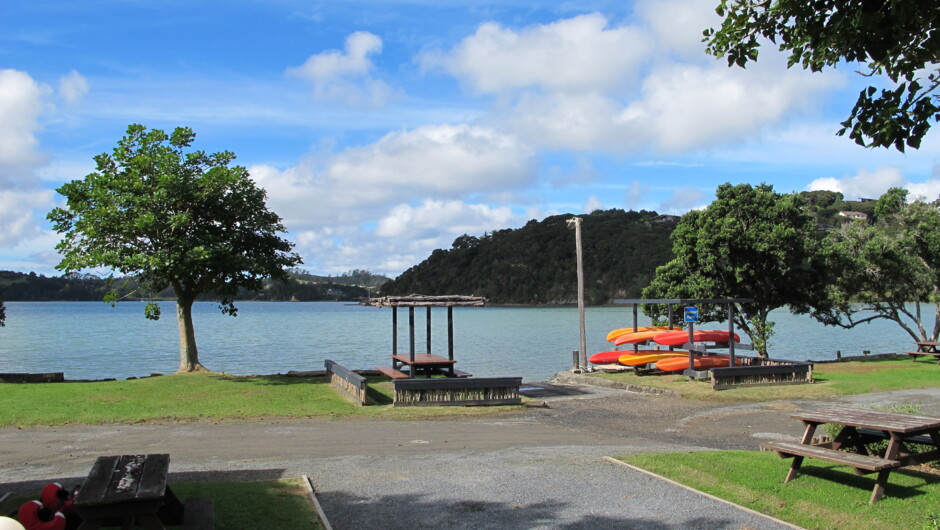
[
  {"x": 128, "y": 490},
  {"x": 926, "y": 348},
  {"x": 860, "y": 428}
]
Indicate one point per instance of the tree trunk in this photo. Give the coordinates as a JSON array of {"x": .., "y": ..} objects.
[{"x": 189, "y": 354}]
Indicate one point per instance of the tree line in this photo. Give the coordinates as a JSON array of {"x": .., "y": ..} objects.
[{"x": 299, "y": 287}]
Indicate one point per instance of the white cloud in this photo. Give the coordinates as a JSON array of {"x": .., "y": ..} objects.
[
  {"x": 592, "y": 204},
  {"x": 345, "y": 76},
  {"x": 434, "y": 218},
  {"x": 682, "y": 200},
  {"x": 577, "y": 54},
  {"x": 17, "y": 217},
  {"x": 677, "y": 25},
  {"x": 873, "y": 184},
  {"x": 73, "y": 87},
  {"x": 866, "y": 184},
  {"x": 21, "y": 101}
]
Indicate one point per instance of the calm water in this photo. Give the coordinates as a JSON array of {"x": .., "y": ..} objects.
[{"x": 92, "y": 340}]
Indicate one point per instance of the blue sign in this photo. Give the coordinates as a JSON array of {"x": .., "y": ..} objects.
[{"x": 691, "y": 314}]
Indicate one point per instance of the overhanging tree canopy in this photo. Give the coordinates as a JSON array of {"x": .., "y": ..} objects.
[
  {"x": 172, "y": 218},
  {"x": 751, "y": 242},
  {"x": 896, "y": 39}
]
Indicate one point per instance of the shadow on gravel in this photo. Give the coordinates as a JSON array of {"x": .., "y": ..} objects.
[
  {"x": 408, "y": 512},
  {"x": 547, "y": 390},
  {"x": 241, "y": 475}
]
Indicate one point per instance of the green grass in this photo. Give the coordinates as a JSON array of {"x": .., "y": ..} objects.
[
  {"x": 824, "y": 495},
  {"x": 199, "y": 397},
  {"x": 281, "y": 504},
  {"x": 831, "y": 379}
]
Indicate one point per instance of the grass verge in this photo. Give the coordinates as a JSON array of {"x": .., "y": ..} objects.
[
  {"x": 281, "y": 504},
  {"x": 831, "y": 379},
  {"x": 824, "y": 495},
  {"x": 200, "y": 397}
]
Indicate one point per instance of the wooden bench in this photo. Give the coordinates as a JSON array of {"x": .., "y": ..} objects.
[
  {"x": 199, "y": 514},
  {"x": 915, "y": 354},
  {"x": 461, "y": 373},
  {"x": 874, "y": 433},
  {"x": 391, "y": 373},
  {"x": 870, "y": 464}
]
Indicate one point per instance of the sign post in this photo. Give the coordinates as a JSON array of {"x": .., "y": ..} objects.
[{"x": 691, "y": 317}]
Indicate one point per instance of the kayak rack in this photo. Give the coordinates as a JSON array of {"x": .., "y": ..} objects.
[{"x": 741, "y": 371}]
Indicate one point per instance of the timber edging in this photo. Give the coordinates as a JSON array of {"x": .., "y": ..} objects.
[
  {"x": 462, "y": 391},
  {"x": 351, "y": 383}
]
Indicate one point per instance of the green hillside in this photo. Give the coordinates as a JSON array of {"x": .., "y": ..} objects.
[{"x": 536, "y": 264}]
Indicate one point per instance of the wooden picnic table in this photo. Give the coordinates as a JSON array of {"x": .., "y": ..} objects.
[
  {"x": 926, "y": 348},
  {"x": 128, "y": 490},
  {"x": 861, "y": 428},
  {"x": 424, "y": 362}
]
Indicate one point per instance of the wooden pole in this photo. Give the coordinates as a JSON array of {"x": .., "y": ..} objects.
[
  {"x": 576, "y": 222},
  {"x": 429, "y": 330}
]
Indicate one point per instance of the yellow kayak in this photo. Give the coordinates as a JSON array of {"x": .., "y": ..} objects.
[
  {"x": 640, "y": 360},
  {"x": 612, "y": 336}
]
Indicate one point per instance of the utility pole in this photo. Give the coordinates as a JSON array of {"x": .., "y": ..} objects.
[{"x": 576, "y": 223}]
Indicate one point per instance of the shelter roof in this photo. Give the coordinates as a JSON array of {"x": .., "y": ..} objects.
[{"x": 420, "y": 300}]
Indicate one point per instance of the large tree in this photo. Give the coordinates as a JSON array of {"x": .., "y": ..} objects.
[
  {"x": 751, "y": 242},
  {"x": 895, "y": 39},
  {"x": 172, "y": 218},
  {"x": 889, "y": 269}
]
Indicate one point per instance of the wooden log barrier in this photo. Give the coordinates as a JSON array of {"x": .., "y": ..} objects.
[
  {"x": 351, "y": 383},
  {"x": 771, "y": 372},
  {"x": 458, "y": 391},
  {"x": 51, "y": 377}
]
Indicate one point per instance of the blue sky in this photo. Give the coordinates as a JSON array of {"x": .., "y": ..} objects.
[{"x": 383, "y": 130}]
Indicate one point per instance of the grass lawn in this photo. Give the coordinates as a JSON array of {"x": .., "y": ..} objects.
[
  {"x": 831, "y": 379},
  {"x": 824, "y": 495},
  {"x": 281, "y": 504},
  {"x": 200, "y": 396}
]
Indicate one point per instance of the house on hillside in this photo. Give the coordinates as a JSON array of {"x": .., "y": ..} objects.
[
  {"x": 854, "y": 215},
  {"x": 665, "y": 218}
]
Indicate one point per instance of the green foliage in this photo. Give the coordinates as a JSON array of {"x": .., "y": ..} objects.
[
  {"x": 751, "y": 242},
  {"x": 894, "y": 39},
  {"x": 891, "y": 267},
  {"x": 172, "y": 218},
  {"x": 536, "y": 264}
]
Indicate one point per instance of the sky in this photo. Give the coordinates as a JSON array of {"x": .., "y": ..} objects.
[{"x": 384, "y": 129}]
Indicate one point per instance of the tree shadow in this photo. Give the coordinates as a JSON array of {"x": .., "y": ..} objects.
[
  {"x": 408, "y": 512},
  {"x": 866, "y": 483}
]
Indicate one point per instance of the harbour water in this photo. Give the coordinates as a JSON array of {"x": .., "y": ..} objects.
[{"x": 93, "y": 340}]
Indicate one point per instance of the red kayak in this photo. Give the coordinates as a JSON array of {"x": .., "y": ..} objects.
[
  {"x": 681, "y": 363},
  {"x": 678, "y": 338},
  {"x": 611, "y": 357}
]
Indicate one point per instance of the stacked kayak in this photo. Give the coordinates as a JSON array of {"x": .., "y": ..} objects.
[
  {"x": 648, "y": 357},
  {"x": 700, "y": 362},
  {"x": 678, "y": 338},
  {"x": 614, "y": 334}
]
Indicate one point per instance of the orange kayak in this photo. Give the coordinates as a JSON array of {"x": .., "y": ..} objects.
[
  {"x": 681, "y": 363},
  {"x": 638, "y": 336},
  {"x": 612, "y": 336},
  {"x": 611, "y": 357},
  {"x": 640, "y": 360}
]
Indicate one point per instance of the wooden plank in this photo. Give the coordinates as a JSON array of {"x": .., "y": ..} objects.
[
  {"x": 869, "y": 463},
  {"x": 761, "y": 370},
  {"x": 881, "y": 435},
  {"x": 152, "y": 478},
  {"x": 871, "y": 419},
  {"x": 391, "y": 373},
  {"x": 95, "y": 486},
  {"x": 449, "y": 383}
]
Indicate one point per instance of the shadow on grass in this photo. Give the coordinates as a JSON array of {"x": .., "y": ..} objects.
[
  {"x": 272, "y": 379},
  {"x": 866, "y": 483}
]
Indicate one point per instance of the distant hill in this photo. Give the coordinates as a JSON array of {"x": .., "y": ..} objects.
[
  {"x": 303, "y": 286},
  {"x": 536, "y": 264}
]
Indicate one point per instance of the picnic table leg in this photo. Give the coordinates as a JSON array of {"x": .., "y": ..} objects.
[
  {"x": 798, "y": 460},
  {"x": 890, "y": 454}
]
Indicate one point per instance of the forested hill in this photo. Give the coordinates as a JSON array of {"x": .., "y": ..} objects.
[
  {"x": 302, "y": 286},
  {"x": 536, "y": 264}
]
